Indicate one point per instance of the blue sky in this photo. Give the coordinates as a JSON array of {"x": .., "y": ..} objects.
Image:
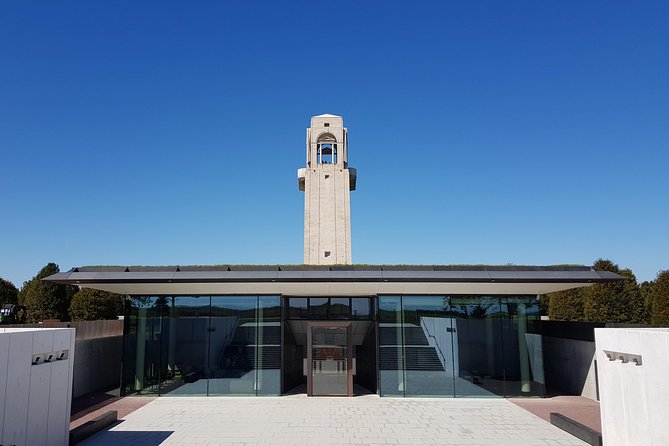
[{"x": 483, "y": 132}]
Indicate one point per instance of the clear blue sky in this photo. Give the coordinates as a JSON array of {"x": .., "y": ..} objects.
[{"x": 158, "y": 133}]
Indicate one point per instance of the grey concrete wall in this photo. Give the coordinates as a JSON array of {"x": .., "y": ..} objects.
[
  {"x": 569, "y": 366},
  {"x": 97, "y": 364},
  {"x": 35, "y": 383},
  {"x": 634, "y": 365}
]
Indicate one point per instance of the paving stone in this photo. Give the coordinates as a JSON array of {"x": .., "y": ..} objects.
[{"x": 297, "y": 420}]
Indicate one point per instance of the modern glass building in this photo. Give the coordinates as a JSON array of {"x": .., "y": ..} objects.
[{"x": 448, "y": 331}]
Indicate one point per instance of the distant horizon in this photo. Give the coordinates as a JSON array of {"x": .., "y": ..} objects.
[{"x": 482, "y": 133}]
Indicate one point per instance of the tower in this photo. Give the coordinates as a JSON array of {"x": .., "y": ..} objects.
[{"x": 326, "y": 182}]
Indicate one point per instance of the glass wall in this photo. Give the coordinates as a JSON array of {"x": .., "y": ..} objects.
[
  {"x": 202, "y": 345},
  {"x": 460, "y": 346}
]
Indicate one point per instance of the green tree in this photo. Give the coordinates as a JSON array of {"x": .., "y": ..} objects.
[
  {"x": 90, "y": 305},
  {"x": 8, "y": 292},
  {"x": 46, "y": 300},
  {"x": 660, "y": 299},
  {"x": 565, "y": 305},
  {"x": 618, "y": 301},
  {"x": 646, "y": 292}
]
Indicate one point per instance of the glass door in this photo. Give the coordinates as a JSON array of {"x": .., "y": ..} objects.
[{"x": 329, "y": 360}]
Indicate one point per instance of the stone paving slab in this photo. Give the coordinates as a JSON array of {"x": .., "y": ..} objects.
[{"x": 298, "y": 420}]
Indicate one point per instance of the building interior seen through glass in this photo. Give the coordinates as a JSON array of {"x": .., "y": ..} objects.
[
  {"x": 460, "y": 346},
  {"x": 446, "y": 346},
  {"x": 203, "y": 345}
]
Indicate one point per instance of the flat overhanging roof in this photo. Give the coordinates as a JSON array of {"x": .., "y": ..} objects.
[{"x": 354, "y": 280}]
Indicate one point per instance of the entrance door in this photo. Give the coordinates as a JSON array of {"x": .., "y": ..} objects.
[{"x": 329, "y": 359}]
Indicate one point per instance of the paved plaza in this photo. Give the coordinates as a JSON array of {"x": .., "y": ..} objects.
[{"x": 298, "y": 420}]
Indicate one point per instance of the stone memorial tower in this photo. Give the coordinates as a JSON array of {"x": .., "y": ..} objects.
[{"x": 326, "y": 182}]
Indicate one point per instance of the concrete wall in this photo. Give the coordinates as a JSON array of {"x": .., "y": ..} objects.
[
  {"x": 633, "y": 391},
  {"x": 97, "y": 365},
  {"x": 569, "y": 366},
  {"x": 36, "y": 370},
  {"x": 99, "y": 346}
]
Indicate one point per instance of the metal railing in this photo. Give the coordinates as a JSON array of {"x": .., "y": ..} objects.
[{"x": 426, "y": 330}]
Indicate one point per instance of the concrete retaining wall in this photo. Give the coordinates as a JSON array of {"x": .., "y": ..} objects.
[
  {"x": 97, "y": 365},
  {"x": 569, "y": 366}
]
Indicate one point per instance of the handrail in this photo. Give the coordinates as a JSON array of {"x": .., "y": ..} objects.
[{"x": 427, "y": 331}]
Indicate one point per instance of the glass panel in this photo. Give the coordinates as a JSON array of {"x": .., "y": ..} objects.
[
  {"x": 340, "y": 308},
  {"x": 428, "y": 333},
  {"x": 360, "y": 308},
  {"x": 130, "y": 344},
  {"x": 318, "y": 307},
  {"x": 333, "y": 308},
  {"x": 293, "y": 360},
  {"x": 269, "y": 346},
  {"x": 141, "y": 372},
  {"x": 185, "y": 345},
  {"x": 232, "y": 339},
  {"x": 391, "y": 354},
  {"x": 298, "y": 308},
  {"x": 477, "y": 345},
  {"x": 523, "y": 356},
  {"x": 365, "y": 356},
  {"x": 329, "y": 361}
]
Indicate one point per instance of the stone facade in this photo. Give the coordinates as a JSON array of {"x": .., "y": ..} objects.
[{"x": 327, "y": 181}]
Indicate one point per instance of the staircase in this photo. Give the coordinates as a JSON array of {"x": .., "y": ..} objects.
[
  {"x": 418, "y": 354},
  {"x": 240, "y": 356}
]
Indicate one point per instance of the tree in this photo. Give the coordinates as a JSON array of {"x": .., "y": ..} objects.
[
  {"x": 646, "y": 292},
  {"x": 8, "y": 292},
  {"x": 90, "y": 305},
  {"x": 618, "y": 301},
  {"x": 565, "y": 305},
  {"x": 46, "y": 300},
  {"x": 660, "y": 304}
]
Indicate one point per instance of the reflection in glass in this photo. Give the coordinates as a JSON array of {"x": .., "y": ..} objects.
[
  {"x": 201, "y": 345},
  {"x": 329, "y": 308},
  {"x": 391, "y": 349},
  {"x": 142, "y": 347},
  {"x": 185, "y": 333},
  {"x": 428, "y": 336},
  {"x": 232, "y": 345},
  {"x": 479, "y": 346},
  {"x": 298, "y": 308},
  {"x": 340, "y": 308},
  {"x": 318, "y": 307},
  {"x": 523, "y": 355},
  {"x": 360, "y": 308},
  {"x": 268, "y": 353},
  {"x": 460, "y": 346},
  {"x": 329, "y": 361}
]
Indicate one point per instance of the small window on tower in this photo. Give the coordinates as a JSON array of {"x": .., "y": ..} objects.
[
  {"x": 326, "y": 124},
  {"x": 327, "y": 253}
]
